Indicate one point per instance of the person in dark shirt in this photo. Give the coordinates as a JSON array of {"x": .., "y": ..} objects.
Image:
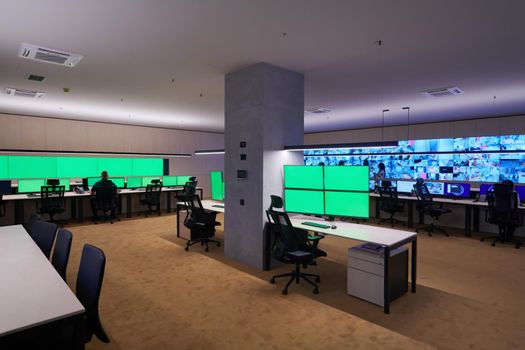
[{"x": 103, "y": 184}]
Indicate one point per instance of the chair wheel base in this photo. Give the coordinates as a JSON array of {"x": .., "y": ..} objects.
[
  {"x": 316, "y": 291},
  {"x": 285, "y": 292},
  {"x": 318, "y": 279},
  {"x": 272, "y": 280}
]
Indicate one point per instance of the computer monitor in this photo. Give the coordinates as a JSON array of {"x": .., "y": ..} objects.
[
  {"x": 146, "y": 180},
  {"x": 182, "y": 179},
  {"x": 170, "y": 180},
  {"x": 346, "y": 178},
  {"x": 5, "y": 187},
  {"x": 371, "y": 185},
  {"x": 303, "y": 177},
  {"x": 304, "y": 201},
  {"x": 354, "y": 204},
  {"x": 217, "y": 185},
  {"x": 436, "y": 188},
  {"x": 405, "y": 186},
  {"x": 134, "y": 182},
  {"x": 457, "y": 189},
  {"x": 484, "y": 188},
  {"x": 118, "y": 181},
  {"x": 59, "y": 182},
  {"x": 30, "y": 186},
  {"x": 521, "y": 192},
  {"x": 92, "y": 180}
]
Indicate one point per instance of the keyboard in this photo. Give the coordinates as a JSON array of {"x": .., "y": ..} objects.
[
  {"x": 218, "y": 206},
  {"x": 315, "y": 224},
  {"x": 33, "y": 195}
]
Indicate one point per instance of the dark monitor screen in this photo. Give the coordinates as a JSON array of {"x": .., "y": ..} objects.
[
  {"x": 455, "y": 189},
  {"x": 5, "y": 187},
  {"x": 521, "y": 192},
  {"x": 484, "y": 188}
]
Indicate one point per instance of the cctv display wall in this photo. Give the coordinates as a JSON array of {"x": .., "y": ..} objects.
[{"x": 473, "y": 159}]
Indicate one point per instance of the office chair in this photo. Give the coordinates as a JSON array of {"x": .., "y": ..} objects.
[
  {"x": 89, "y": 285},
  {"x": 201, "y": 222},
  {"x": 292, "y": 246},
  {"x": 60, "y": 256},
  {"x": 503, "y": 211},
  {"x": 152, "y": 198},
  {"x": 426, "y": 206},
  {"x": 391, "y": 204},
  {"x": 43, "y": 233},
  {"x": 52, "y": 201},
  {"x": 106, "y": 201}
]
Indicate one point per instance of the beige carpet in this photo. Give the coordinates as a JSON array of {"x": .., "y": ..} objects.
[{"x": 158, "y": 296}]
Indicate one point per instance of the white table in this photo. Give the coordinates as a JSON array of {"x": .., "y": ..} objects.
[
  {"x": 388, "y": 238},
  {"x": 32, "y": 293}
]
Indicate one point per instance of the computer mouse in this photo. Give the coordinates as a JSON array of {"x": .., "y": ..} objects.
[{"x": 333, "y": 227}]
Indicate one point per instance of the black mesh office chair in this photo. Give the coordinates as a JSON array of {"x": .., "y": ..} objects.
[
  {"x": 106, "y": 201},
  {"x": 390, "y": 203},
  {"x": 503, "y": 211},
  {"x": 201, "y": 222},
  {"x": 89, "y": 285},
  {"x": 52, "y": 201},
  {"x": 152, "y": 198},
  {"x": 43, "y": 233},
  {"x": 292, "y": 246},
  {"x": 61, "y": 253},
  {"x": 426, "y": 206}
]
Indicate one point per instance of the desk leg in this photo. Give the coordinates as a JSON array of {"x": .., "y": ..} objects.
[
  {"x": 19, "y": 212},
  {"x": 386, "y": 276},
  {"x": 378, "y": 214},
  {"x": 168, "y": 201},
  {"x": 475, "y": 219},
  {"x": 200, "y": 190},
  {"x": 414, "y": 264},
  {"x": 128, "y": 205},
  {"x": 410, "y": 214},
  {"x": 74, "y": 215},
  {"x": 178, "y": 220},
  {"x": 119, "y": 205},
  {"x": 468, "y": 220}
]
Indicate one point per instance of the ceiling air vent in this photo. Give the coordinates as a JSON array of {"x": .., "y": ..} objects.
[
  {"x": 319, "y": 110},
  {"x": 43, "y": 54},
  {"x": 34, "y": 77},
  {"x": 452, "y": 91},
  {"x": 24, "y": 93}
]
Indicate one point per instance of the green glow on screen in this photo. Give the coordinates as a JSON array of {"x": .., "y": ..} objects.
[
  {"x": 304, "y": 201},
  {"x": 303, "y": 176},
  {"x": 77, "y": 167},
  {"x": 116, "y": 166},
  {"x": 134, "y": 182},
  {"x": 28, "y": 186},
  {"x": 4, "y": 167},
  {"x": 346, "y": 178},
  {"x": 92, "y": 180},
  {"x": 65, "y": 183},
  {"x": 147, "y": 167},
  {"x": 169, "y": 180},
  {"x": 353, "y": 204},
  {"x": 146, "y": 180},
  {"x": 24, "y": 167},
  {"x": 217, "y": 185},
  {"x": 182, "y": 179},
  {"x": 118, "y": 181}
]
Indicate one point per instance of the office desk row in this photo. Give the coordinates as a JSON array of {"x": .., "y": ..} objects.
[
  {"x": 34, "y": 299},
  {"x": 388, "y": 238},
  {"x": 77, "y": 203}
]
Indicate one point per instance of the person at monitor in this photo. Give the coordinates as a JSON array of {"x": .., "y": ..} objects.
[
  {"x": 104, "y": 184},
  {"x": 381, "y": 175}
]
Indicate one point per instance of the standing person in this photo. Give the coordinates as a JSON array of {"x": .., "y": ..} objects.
[
  {"x": 381, "y": 176},
  {"x": 104, "y": 184},
  {"x": 341, "y": 162},
  {"x": 321, "y": 163}
]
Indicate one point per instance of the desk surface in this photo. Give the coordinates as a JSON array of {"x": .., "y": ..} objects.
[
  {"x": 31, "y": 291},
  {"x": 208, "y": 204}
]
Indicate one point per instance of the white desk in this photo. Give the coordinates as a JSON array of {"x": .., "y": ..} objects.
[
  {"x": 32, "y": 293},
  {"x": 389, "y": 239}
]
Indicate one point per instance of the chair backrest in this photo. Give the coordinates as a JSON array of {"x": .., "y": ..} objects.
[
  {"x": 60, "y": 256},
  {"x": 52, "y": 196},
  {"x": 106, "y": 197},
  {"x": 153, "y": 193},
  {"x": 194, "y": 204},
  {"x": 289, "y": 236},
  {"x": 502, "y": 202},
  {"x": 389, "y": 199},
  {"x": 43, "y": 233},
  {"x": 89, "y": 284},
  {"x": 424, "y": 197}
]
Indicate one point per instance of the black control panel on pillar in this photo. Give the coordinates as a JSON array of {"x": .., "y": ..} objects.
[{"x": 242, "y": 174}]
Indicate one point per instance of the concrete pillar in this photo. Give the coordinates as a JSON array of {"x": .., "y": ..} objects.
[{"x": 264, "y": 107}]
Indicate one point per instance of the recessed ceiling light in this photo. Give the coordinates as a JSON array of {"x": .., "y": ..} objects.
[
  {"x": 318, "y": 110},
  {"x": 44, "y": 54},
  {"x": 443, "y": 92},
  {"x": 24, "y": 93}
]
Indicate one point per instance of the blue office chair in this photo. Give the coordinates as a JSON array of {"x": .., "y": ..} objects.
[
  {"x": 43, "y": 233},
  {"x": 61, "y": 253}
]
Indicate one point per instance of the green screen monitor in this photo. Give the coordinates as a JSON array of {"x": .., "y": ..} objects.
[
  {"x": 92, "y": 181},
  {"x": 354, "y": 204},
  {"x": 182, "y": 179},
  {"x": 304, "y": 201},
  {"x": 217, "y": 185},
  {"x": 30, "y": 186},
  {"x": 346, "y": 178},
  {"x": 170, "y": 180},
  {"x": 63, "y": 182},
  {"x": 303, "y": 177},
  {"x": 118, "y": 181},
  {"x": 134, "y": 182},
  {"x": 146, "y": 180}
]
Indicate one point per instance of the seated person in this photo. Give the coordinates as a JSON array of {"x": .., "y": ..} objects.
[{"x": 103, "y": 184}]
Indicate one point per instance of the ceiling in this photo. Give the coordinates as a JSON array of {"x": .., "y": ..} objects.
[{"x": 162, "y": 63}]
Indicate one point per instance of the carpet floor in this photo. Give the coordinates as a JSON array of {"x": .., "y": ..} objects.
[{"x": 158, "y": 296}]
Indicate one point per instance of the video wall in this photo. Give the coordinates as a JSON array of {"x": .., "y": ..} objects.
[{"x": 474, "y": 159}]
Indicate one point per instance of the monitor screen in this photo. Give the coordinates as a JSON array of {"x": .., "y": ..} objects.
[
  {"x": 30, "y": 186},
  {"x": 182, "y": 179},
  {"x": 371, "y": 185},
  {"x": 5, "y": 187},
  {"x": 436, "y": 188},
  {"x": 303, "y": 176},
  {"x": 484, "y": 188},
  {"x": 355, "y": 204},
  {"x": 146, "y": 180},
  {"x": 92, "y": 181},
  {"x": 405, "y": 186},
  {"x": 304, "y": 201},
  {"x": 346, "y": 178},
  {"x": 521, "y": 192},
  {"x": 454, "y": 189},
  {"x": 217, "y": 185},
  {"x": 169, "y": 180},
  {"x": 118, "y": 181},
  {"x": 133, "y": 182}
]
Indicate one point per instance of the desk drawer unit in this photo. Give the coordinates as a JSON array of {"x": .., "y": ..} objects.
[{"x": 366, "y": 271}]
